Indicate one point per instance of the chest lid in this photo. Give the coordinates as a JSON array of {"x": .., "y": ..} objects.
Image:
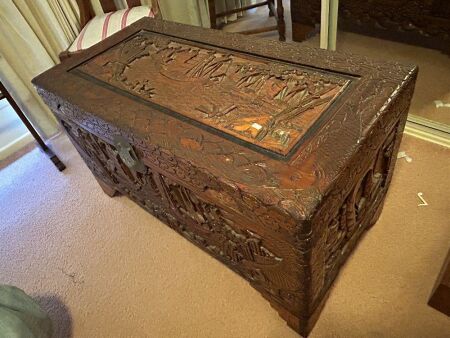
[
  {"x": 264, "y": 104},
  {"x": 279, "y": 121}
]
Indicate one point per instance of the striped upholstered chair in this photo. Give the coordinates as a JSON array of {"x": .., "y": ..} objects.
[{"x": 95, "y": 26}]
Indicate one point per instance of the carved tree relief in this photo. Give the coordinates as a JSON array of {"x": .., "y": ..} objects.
[{"x": 268, "y": 104}]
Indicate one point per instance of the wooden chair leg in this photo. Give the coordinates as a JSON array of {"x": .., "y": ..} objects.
[
  {"x": 45, "y": 148},
  {"x": 271, "y": 13},
  {"x": 212, "y": 13},
  {"x": 280, "y": 19},
  {"x": 55, "y": 159}
]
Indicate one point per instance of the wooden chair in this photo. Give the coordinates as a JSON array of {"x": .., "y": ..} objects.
[
  {"x": 276, "y": 11},
  {"x": 95, "y": 28},
  {"x": 4, "y": 94}
]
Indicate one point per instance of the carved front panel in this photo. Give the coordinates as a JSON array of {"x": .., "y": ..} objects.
[
  {"x": 265, "y": 104},
  {"x": 213, "y": 229}
]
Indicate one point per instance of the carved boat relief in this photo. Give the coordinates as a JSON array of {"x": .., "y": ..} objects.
[{"x": 266, "y": 104}]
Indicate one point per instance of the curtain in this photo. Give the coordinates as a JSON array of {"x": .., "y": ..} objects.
[
  {"x": 32, "y": 34},
  {"x": 191, "y": 12},
  {"x": 227, "y": 5},
  {"x": 195, "y": 12}
]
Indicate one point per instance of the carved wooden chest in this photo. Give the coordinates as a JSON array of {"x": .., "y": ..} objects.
[{"x": 271, "y": 157}]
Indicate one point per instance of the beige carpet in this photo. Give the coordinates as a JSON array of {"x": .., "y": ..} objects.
[
  {"x": 433, "y": 81},
  {"x": 105, "y": 268}
]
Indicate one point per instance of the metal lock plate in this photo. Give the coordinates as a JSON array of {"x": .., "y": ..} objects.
[{"x": 127, "y": 154}]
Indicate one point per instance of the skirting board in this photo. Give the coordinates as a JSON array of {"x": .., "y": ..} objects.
[
  {"x": 15, "y": 145},
  {"x": 428, "y": 130}
]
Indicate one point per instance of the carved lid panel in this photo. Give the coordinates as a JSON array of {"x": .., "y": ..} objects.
[{"x": 263, "y": 104}]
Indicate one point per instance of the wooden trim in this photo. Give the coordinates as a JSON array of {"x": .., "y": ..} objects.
[
  {"x": 427, "y": 130},
  {"x": 15, "y": 146},
  {"x": 17, "y": 154},
  {"x": 429, "y": 123}
]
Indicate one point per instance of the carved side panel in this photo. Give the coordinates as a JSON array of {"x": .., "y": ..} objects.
[
  {"x": 355, "y": 202},
  {"x": 210, "y": 227},
  {"x": 363, "y": 198}
]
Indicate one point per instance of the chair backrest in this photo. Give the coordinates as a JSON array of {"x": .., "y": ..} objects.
[
  {"x": 111, "y": 5},
  {"x": 91, "y": 8}
]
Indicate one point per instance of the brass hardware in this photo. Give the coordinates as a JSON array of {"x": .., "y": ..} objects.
[{"x": 127, "y": 154}]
